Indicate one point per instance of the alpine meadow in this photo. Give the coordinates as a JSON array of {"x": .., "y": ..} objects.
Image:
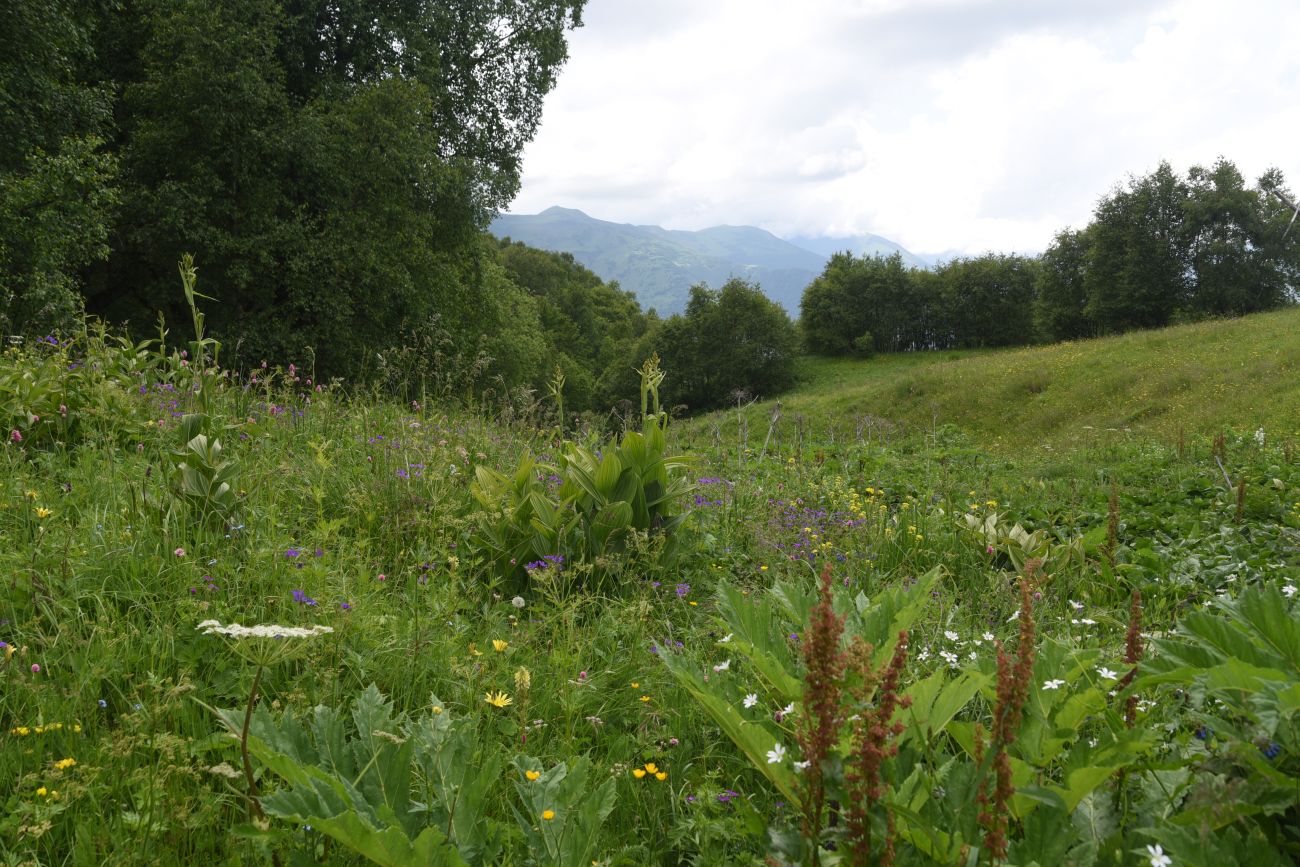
[{"x": 336, "y": 529}]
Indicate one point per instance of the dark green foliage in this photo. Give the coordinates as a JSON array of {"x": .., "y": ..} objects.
[
  {"x": 592, "y": 327},
  {"x": 1062, "y": 298},
  {"x": 987, "y": 301},
  {"x": 56, "y": 187},
  {"x": 331, "y": 166},
  {"x": 1158, "y": 250},
  {"x": 734, "y": 339}
]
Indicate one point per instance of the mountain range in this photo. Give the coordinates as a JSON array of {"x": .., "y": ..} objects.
[{"x": 661, "y": 265}]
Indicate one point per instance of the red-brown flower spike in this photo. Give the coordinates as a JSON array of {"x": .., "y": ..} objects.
[
  {"x": 824, "y": 662},
  {"x": 1132, "y": 655}
]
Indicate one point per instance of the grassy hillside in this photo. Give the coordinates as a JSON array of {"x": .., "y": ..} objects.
[{"x": 1204, "y": 378}]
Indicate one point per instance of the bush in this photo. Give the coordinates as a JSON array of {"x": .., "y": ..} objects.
[{"x": 735, "y": 338}]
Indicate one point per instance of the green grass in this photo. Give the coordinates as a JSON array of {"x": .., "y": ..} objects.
[
  {"x": 362, "y": 504},
  {"x": 1203, "y": 378}
]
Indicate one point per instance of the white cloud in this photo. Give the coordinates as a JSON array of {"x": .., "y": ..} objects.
[{"x": 942, "y": 124}]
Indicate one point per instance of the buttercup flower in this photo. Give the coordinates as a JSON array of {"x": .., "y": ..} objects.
[
  {"x": 532, "y": 776},
  {"x": 548, "y": 815}
]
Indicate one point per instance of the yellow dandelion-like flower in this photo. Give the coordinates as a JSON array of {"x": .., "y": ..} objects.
[
  {"x": 636, "y": 684},
  {"x": 532, "y": 776},
  {"x": 499, "y": 645},
  {"x": 638, "y": 773},
  {"x": 43, "y": 513},
  {"x": 29, "y": 494},
  {"x": 76, "y": 727},
  {"x": 437, "y": 710},
  {"x": 645, "y": 698},
  {"x": 661, "y": 776},
  {"x": 498, "y": 699},
  {"x": 548, "y": 815},
  {"x": 474, "y": 651},
  {"x": 42, "y": 791}
]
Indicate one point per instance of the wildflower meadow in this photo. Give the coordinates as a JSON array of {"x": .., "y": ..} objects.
[{"x": 250, "y": 617}]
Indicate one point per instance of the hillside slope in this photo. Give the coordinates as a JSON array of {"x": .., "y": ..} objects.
[{"x": 1204, "y": 378}]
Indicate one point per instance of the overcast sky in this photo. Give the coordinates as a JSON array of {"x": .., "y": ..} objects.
[{"x": 964, "y": 125}]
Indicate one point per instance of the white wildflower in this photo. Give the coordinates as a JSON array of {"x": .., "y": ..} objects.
[
  {"x": 722, "y": 666},
  {"x": 262, "y": 630},
  {"x": 725, "y": 639},
  {"x": 751, "y": 700},
  {"x": 1054, "y": 684},
  {"x": 1289, "y": 590},
  {"x": 1157, "y": 854},
  {"x": 1107, "y": 673},
  {"x": 951, "y": 636},
  {"x": 518, "y": 602},
  {"x": 776, "y": 755},
  {"x": 988, "y": 636},
  {"x": 802, "y": 766}
]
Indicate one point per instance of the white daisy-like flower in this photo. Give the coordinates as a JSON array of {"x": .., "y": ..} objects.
[
  {"x": 950, "y": 658},
  {"x": 1054, "y": 684},
  {"x": 722, "y": 666},
  {"x": 988, "y": 636},
  {"x": 1107, "y": 673},
  {"x": 1015, "y": 616},
  {"x": 787, "y": 710},
  {"x": 751, "y": 700},
  {"x": 1077, "y": 606},
  {"x": 1158, "y": 856},
  {"x": 1289, "y": 590},
  {"x": 950, "y": 635},
  {"x": 725, "y": 639},
  {"x": 802, "y": 766},
  {"x": 776, "y": 755},
  {"x": 973, "y": 656},
  {"x": 924, "y": 654}
]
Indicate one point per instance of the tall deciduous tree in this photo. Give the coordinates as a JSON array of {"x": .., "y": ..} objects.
[
  {"x": 56, "y": 184},
  {"x": 330, "y": 163}
]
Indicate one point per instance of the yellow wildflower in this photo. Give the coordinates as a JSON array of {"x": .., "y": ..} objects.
[
  {"x": 42, "y": 512},
  {"x": 548, "y": 815},
  {"x": 29, "y": 494},
  {"x": 498, "y": 699},
  {"x": 64, "y": 764},
  {"x": 638, "y": 773},
  {"x": 437, "y": 710},
  {"x": 532, "y": 776},
  {"x": 651, "y": 767},
  {"x": 636, "y": 685},
  {"x": 42, "y": 791},
  {"x": 645, "y": 698},
  {"x": 474, "y": 651},
  {"x": 661, "y": 776},
  {"x": 499, "y": 645}
]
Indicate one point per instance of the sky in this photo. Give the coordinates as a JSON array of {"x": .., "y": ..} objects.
[{"x": 948, "y": 126}]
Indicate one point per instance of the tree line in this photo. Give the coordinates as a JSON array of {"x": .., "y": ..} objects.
[
  {"x": 331, "y": 164},
  {"x": 1160, "y": 249}
]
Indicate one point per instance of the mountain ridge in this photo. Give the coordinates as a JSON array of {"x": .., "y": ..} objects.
[{"x": 661, "y": 265}]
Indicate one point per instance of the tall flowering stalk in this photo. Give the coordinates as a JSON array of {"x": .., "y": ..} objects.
[
  {"x": 1012, "y": 691},
  {"x": 822, "y": 717},
  {"x": 1132, "y": 656},
  {"x": 873, "y": 736}
]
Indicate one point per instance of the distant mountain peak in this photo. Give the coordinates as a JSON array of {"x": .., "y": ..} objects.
[{"x": 661, "y": 265}]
